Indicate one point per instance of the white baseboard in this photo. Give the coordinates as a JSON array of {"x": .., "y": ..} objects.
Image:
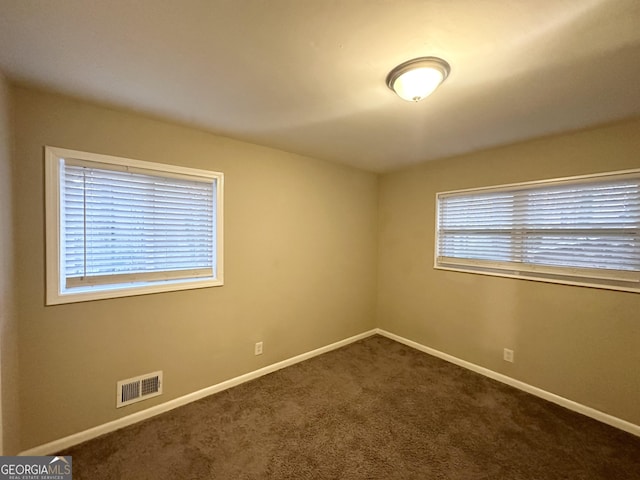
[
  {"x": 538, "y": 392},
  {"x": 66, "y": 442},
  {"x": 71, "y": 440}
]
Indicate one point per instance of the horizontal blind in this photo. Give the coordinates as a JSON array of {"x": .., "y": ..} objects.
[
  {"x": 121, "y": 226},
  {"x": 582, "y": 226}
]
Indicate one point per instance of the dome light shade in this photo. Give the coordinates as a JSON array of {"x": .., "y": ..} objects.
[{"x": 418, "y": 78}]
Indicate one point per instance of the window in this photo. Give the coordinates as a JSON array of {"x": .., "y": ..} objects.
[
  {"x": 118, "y": 227},
  {"x": 580, "y": 230}
]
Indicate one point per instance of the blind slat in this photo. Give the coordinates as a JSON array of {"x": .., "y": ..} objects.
[
  {"x": 121, "y": 226},
  {"x": 586, "y": 225}
]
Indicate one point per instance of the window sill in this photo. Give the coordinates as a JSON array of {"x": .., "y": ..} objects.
[
  {"x": 632, "y": 287},
  {"x": 102, "y": 292}
]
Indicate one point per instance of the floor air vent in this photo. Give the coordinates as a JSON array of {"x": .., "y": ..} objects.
[{"x": 139, "y": 388}]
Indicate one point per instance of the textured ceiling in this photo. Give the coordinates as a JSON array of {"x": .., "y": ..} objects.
[{"x": 308, "y": 76}]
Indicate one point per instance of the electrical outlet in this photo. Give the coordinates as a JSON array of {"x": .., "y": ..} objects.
[
  {"x": 508, "y": 355},
  {"x": 258, "y": 349}
]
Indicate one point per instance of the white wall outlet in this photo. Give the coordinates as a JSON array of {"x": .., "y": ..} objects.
[
  {"x": 258, "y": 349},
  {"x": 508, "y": 355}
]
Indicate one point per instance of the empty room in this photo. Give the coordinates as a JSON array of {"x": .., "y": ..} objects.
[{"x": 320, "y": 239}]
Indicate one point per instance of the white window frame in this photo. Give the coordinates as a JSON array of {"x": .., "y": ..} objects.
[
  {"x": 628, "y": 282},
  {"x": 55, "y": 291}
]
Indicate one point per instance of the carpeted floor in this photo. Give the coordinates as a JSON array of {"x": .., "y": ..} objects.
[{"x": 375, "y": 409}]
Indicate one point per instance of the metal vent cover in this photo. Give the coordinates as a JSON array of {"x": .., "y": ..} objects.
[{"x": 138, "y": 388}]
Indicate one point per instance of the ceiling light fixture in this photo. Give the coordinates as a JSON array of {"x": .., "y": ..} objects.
[{"x": 418, "y": 78}]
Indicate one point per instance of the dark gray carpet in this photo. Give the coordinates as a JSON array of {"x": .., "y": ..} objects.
[{"x": 375, "y": 409}]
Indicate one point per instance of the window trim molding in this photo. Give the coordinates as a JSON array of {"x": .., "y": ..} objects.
[
  {"x": 53, "y": 282},
  {"x": 534, "y": 273}
]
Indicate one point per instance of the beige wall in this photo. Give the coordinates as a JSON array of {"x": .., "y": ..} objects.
[
  {"x": 300, "y": 273},
  {"x": 580, "y": 343},
  {"x": 9, "y": 416},
  {"x": 301, "y": 254}
]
